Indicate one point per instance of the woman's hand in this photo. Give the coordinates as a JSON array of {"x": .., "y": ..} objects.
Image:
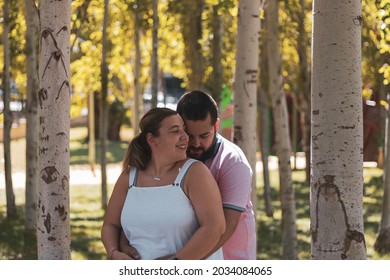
[
  {"x": 118, "y": 255},
  {"x": 129, "y": 251}
]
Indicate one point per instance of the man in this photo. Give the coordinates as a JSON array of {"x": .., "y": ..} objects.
[{"x": 230, "y": 169}]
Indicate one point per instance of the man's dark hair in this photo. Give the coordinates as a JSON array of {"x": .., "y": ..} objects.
[{"x": 195, "y": 105}]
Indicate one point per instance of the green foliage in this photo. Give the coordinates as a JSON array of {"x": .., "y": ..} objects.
[
  {"x": 375, "y": 45},
  {"x": 228, "y": 11},
  {"x": 86, "y": 26},
  {"x": 17, "y": 43},
  {"x": 291, "y": 35}
]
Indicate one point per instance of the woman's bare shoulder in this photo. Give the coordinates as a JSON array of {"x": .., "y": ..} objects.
[
  {"x": 123, "y": 179},
  {"x": 198, "y": 171}
]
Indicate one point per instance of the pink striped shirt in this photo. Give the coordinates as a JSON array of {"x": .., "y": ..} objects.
[{"x": 233, "y": 175}]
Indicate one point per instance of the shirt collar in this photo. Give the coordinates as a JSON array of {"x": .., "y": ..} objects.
[{"x": 213, "y": 150}]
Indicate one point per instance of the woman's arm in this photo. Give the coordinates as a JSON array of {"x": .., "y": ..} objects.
[
  {"x": 111, "y": 228},
  {"x": 203, "y": 192}
]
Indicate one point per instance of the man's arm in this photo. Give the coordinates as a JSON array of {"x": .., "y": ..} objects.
[
  {"x": 235, "y": 191},
  {"x": 232, "y": 217}
]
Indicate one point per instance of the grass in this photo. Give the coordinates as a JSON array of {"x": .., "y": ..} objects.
[
  {"x": 79, "y": 147},
  {"x": 87, "y": 215},
  {"x": 86, "y": 221},
  {"x": 269, "y": 235}
]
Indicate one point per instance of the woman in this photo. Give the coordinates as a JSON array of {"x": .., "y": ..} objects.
[{"x": 168, "y": 206}]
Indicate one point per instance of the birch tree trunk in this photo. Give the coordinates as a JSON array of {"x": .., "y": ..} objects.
[
  {"x": 282, "y": 134},
  {"x": 137, "y": 69},
  {"x": 264, "y": 120},
  {"x": 192, "y": 35},
  {"x": 383, "y": 114},
  {"x": 382, "y": 243},
  {"x": 91, "y": 131},
  {"x": 11, "y": 207},
  {"x": 383, "y": 126},
  {"x": 31, "y": 117},
  {"x": 245, "y": 84},
  {"x": 304, "y": 86},
  {"x": 53, "y": 229},
  {"x": 336, "y": 193},
  {"x": 104, "y": 109},
  {"x": 155, "y": 75},
  {"x": 217, "y": 75},
  {"x": 294, "y": 129}
]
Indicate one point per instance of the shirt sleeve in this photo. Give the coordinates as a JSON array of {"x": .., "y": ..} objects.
[{"x": 235, "y": 184}]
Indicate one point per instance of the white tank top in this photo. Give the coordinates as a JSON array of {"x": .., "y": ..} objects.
[{"x": 158, "y": 221}]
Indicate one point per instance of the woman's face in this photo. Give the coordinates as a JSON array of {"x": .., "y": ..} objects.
[{"x": 172, "y": 141}]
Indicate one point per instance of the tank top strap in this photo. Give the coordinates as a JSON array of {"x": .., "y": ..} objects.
[
  {"x": 183, "y": 171},
  {"x": 132, "y": 176}
]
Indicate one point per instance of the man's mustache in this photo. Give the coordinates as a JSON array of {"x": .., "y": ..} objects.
[{"x": 196, "y": 149}]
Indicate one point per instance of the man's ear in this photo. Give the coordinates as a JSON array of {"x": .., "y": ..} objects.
[{"x": 217, "y": 124}]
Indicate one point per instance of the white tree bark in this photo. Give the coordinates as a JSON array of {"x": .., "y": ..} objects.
[
  {"x": 245, "y": 84},
  {"x": 31, "y": 117},
  {"x": 282, "y": 133},
  {"x": 336, "y": 206},
  {"x": 53, "y": 229}
]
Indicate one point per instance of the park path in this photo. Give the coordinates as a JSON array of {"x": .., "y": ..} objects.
[
  {"x": 83, "y": 174},
  {"x": 79, "y": 175}
]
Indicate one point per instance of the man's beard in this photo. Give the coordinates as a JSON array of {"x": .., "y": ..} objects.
[
  {"x": 206, "y": 154},
  {"x": 196, "y": 155}
]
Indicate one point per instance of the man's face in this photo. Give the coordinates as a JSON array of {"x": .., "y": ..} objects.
[{"x": 201, "y": 136}]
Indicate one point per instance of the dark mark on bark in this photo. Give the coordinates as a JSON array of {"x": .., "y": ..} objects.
[
  {"x": 61, "y": 212},
  {"x": 331, "y": 192},
  {"x": 47, "y": 223},
  {"x": 49, "y": 174},
  {"x": 42, "y": 96}
]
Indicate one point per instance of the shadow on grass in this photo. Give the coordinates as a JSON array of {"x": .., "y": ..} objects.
[
  {"x": 85, "y": 245},
  {"x": 15, "y": 244},
  {"x": 269, "y": 243},
  {"x": 86, "y": 222},
  {"x": 269, "y": 239}
]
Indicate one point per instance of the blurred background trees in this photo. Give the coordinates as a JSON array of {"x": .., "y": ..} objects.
[{"x": 196, "y": 48}]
